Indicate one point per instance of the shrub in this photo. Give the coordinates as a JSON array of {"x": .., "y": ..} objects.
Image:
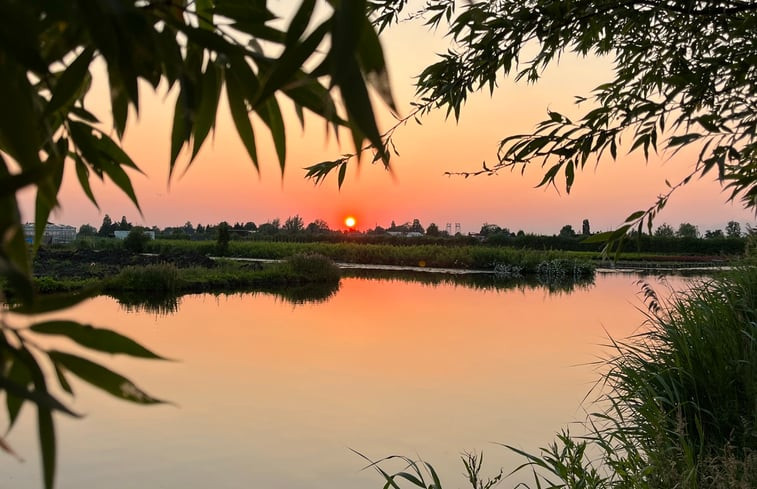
[
  {"x": 136, "y": 240},
  {"x": 159, "y": 278},
  {"x": 314, "y": 267}
]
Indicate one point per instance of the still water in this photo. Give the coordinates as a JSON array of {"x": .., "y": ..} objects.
[{"x": 271, "y": 394}]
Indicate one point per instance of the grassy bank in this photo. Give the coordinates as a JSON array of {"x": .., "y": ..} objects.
[
  {"x": 463, "y": 257},
  {"x": 677, "y": 409},
  {"x": 166, "y": 278}
]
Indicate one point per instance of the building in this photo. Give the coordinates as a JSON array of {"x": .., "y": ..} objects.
[{"x": 53, "y": 234}]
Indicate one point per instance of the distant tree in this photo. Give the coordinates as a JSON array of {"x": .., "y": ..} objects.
[
  {"x": 687, "y": 230},
  {"x": 106, "y": 228},
  {"x": 585, "y": 228},
  {"x": 416, "y": 227},
  {"x": 200, "y": 229},
  {"x": 567, "y": 231},
  {"x": 487, "y": 229},
  {"x": 714, "y": 234},
  {"x": 136, "y": 240},
  {"x": 433, "y": 230},
  {"x": 124, "y": 225},
  {"x": 319, "y": 226},
  {"x": 520, "y": 233},
  {"x": 664, "y": 230},
  {"x": 87, "y": 230},
  {"x": 250, "y": 226},
  {"x": 733, "y": 229},
  {"x": 293, "y": 224},
  {"x": 188, "y": 228},
  {"x": 269, "y": 228},
  {"x": 223, "y": 238}
]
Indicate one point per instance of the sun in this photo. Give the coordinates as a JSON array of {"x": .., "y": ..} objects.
[{"x": 350, "y": 222}]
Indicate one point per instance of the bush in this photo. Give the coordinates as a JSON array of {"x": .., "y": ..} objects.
[
  {"x": 160, "y": 278},
  {"x": 314, "y": 268},
  {"x": 136, "y": 240}
]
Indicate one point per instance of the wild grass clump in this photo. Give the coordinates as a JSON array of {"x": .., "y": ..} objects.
[
  {"x": 680, "y": 398},
  {"x": 560, "y": 270},
  {"x": 687, "y": 387},
  {"x": 308, "y": 268},
  {"x": 158, "y": 278}
]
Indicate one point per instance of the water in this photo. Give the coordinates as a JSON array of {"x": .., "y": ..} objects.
[{"x": 272, "y": 394}]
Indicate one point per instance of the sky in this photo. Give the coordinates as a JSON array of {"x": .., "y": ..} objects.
[{"x": 223, "y": 185}]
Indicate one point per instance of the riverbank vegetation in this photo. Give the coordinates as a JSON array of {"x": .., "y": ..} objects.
[{"x": 118, "y": 272}]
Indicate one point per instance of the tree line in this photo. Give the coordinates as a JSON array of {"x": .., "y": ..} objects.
[{"x": 686, "y": 238}]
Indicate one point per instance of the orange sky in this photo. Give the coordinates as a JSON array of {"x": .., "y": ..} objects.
[{"x": 223, "y": 185}]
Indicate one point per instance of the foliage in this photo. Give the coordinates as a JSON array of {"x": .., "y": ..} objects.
[
  {"x": 664, "y": 230},
  {"x": 687, "y": 230},
  {"x": 471, "y": 257},
  {"x": 160, "y": 279},
  {"x": 567, "y": 231},
  {"x": 683, "y": 75},
  {"x": 195, "y": 49},
  {"x": 733, "y": 229},
  {"x": 136, "y": 240},
  {"x": 222, "y": 241},
  {"x": 87, "y": 230},
  {"x": 293, "y": 224}
]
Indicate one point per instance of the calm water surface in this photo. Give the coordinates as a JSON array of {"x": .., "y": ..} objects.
[{"x": 269, "y": 394}]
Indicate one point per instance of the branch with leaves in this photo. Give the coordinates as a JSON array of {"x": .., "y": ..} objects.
[
  {"x": 324, "y": 64},
  {"x": 684, "y": 74}
]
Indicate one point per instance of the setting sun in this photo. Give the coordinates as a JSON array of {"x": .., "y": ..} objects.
[{"x": 350, "y": 222}]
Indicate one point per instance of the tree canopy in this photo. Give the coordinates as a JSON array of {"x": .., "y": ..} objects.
[
  {"x": 50, "y": 51},
  {"x": 683, "y": 75}
]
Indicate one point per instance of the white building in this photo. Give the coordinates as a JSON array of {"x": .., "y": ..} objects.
[{"x": 53, "y": 234}]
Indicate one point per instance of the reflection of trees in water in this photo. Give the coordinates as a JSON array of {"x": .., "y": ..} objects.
[
  {"x": 315, "y": 293},
  {"x": 160, "y": 304},
  {"x": 479, "y": 281},
  {"x": 165, "y": 305}
]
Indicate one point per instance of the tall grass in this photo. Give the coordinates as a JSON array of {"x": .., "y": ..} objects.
[
  {"x": 466, "y": 257},
  {"x": 678, "y": 402}
]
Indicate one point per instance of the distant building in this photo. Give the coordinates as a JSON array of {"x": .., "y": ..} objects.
[
  {"x": 53, "y": 234},
  {"x": 405, "y": 234},
  {"x": 124, "y": 234}
]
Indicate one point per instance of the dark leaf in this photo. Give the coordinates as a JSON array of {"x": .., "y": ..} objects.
[
  {"x": 47, "y": 445},
  {"x": 103, "y": 378},
  {"x": 72, "y": 82},
  {"x": 235, "y": 95}
]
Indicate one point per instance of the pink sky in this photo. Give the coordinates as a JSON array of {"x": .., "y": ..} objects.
[{"x": 222, "y": 184}]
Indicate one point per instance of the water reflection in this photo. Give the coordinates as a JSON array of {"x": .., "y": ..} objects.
[
  {"x": 476, "y": 281},
  {"x": 273, "y": 395},
  {"x": 166, "y": 304}
]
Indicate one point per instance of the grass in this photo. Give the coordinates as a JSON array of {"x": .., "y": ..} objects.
[
  {"x": 678, "y": 403},
  {"x": 463, "y": 257}
]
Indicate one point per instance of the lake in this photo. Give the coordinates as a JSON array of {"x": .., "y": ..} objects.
[{"x": 273, "y": 394}]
